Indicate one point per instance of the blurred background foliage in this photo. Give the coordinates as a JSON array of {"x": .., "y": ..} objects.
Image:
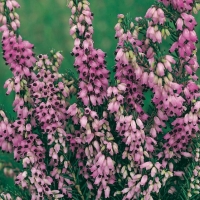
[{"x": 45, "y": 24}]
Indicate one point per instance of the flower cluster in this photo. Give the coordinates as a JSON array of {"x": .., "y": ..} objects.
[
  {"x": 110, "y": 141},
  {"x": 89, "y": 62}
]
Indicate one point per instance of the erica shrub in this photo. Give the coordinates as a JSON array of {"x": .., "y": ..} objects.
[{"x": 89, "y": 137}]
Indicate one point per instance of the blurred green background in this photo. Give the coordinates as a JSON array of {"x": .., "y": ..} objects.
[{"x": 45, "y": 24}]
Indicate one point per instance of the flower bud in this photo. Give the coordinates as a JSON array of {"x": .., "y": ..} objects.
[
  {"x": 71, "y": 3},
  {"x": 80, "y": 6}
]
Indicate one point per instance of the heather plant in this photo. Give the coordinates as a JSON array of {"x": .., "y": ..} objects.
[{"x": 89, "y": 137}]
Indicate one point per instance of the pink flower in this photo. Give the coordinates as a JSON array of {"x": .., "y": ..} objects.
[
  {"x": 101, "y": 159},
  {"x": 153, "y": 172},
  {"x": 186, "y": 154},
  {"x": 160, "y": 70},
  {"x": 110, "y": 163},
  {"x": 113, "y": 106},
  {"x": 139, "y": 123},
  {"x": 148, "y": 165},
  {"x": 150, "y": 12},
  {"x": 179, "y": 173},
  {"x": 143, "y": 180},
  {"x": 120, "y": 16},
  {"x": 89, "y": 185},
  {"x": 122, "y": 86},
  {"x": 179, "y": 24},
  {"x": 158, "y": 37},
  {"x": 83, "y": 121},
  {"x": 107, "y": 192}
]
